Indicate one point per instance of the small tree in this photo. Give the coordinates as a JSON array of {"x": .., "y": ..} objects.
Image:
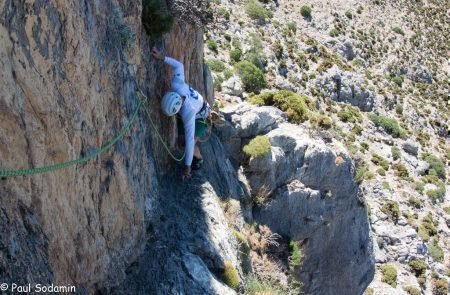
[
  {"x": 306, "y": 11},
  {"x": 252, "y": 77}
]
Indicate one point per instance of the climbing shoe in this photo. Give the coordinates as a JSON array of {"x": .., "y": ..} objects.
[{"x": 196, "y": 163}]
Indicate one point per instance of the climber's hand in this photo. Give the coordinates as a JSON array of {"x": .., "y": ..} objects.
[
  {"x": 186, "y": 175},
  {"x": 156, "y": 54}
]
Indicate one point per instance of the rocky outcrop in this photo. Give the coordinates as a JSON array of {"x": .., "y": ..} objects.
[
  {"x": 312, "y": 188},
  {"x": 347, "y": 87},
  {"x": 245, "y": 121}
]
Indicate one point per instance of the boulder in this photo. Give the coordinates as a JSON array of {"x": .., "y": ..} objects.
[
  {"x": 209, "y": 86},
  {"x": 347, "y": 87},
  {"x": 346, "y": 50},
  {"x": 233, "y": 86},
  {"x": 314, "y": 200},
  {"x": 245, "y": 121},
  {"x": 411, "y": 147}
]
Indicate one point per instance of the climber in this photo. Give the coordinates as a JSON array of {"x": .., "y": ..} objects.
[{"x": 192, "y": 110}]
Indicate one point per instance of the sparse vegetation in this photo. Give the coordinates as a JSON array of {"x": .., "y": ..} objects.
[
  {"x": 230, "y": 276},
  {"x": 252, "y": 77},
  {"x": 396, "y": 153},
  {"x": 428, "y": 227},
  {"x": 212, "y": 45},
  {"x": 295, "y": 105},
  {"x": 391, "y": 209},
  {"x": 258, "y": 147},
  {"x": 256, "y": 10},
  {"x": 295, "y": 259},
  {"x": 350, "y": 114},
  {"x": 436, "y": 164},
  {"x": 155, "y": 19},
  {"x": 380, "y": 161},
  {"x": 216, "y": 65},
  {"x": 418, "y": 266},
  {"x": 435, "y": 251},
  {"x": 388, "y": 124},
  {"x": 440, "y": 287},
  {"x": 305, "y": 11},
  {"x": 389, "y": 274},
  {"x": 411, "y": 290}
]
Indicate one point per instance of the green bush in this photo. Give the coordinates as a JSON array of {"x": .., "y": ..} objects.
[
  {"x": 401, "y": 171},
  {"x": 230, "y": 276},
  {"x": 277, "y": 48},
  {"x": 334, "y": 32},
  {"x": 217, "y": 82},
  {"x": 399, "y": 109},
  {"x": 397, "y": 80},
  {"x": 435, "y": 251},
  {"x": 235, "y": 55},
  {"x": 155, "y": 20},
  {"x": 256, "y": 10},
  {"x": 380, "y": 161},
  {"x": 244, "y": 248},
  {"x": 391, "y": 209},
  {"x": 295, "y": 259},
  {"x": 350, "y": 114},
  {"x": 411, "y": 290},
  {"x": 436, "y": 164},
  {"x": 388, "y": 124},
  {"x": 428, "y": 227},
  {"x": 418, "y": 266},
  {"x": 389, "y": 275},
  {"x": 305, "y": 11},
  {"x": 292, "y": 26},
  {"x": 258, "y": 147},
  {"x": 224, "y": 13},
  {"x": 415, "y": 202},
  {"x": 396, "y": 153},
  {"x": 446, "y": 210},
  {"x": 436, "y": 194},
  {"x": 256, "y": 286},
  {"x": 398, "y": 30},
  {"x": 324, "y": 122},
  {"x": 419, "y": 186},
  {"x": 252, "y": 77},
  {"x": 363, "y": 173},
  {"x": 216, "y": 65},
  {"x": 359, "y": 10},
  {"x": 212, "y": 45},
  {"x": 440, "y": 287},
  {"x": 349, "y": 14},
  {"x": 294, "y": 105}
]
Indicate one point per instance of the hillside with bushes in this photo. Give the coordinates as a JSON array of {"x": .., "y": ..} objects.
[{"x": 374, "y": 76}]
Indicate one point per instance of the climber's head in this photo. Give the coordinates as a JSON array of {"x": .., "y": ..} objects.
[{"x": 171, "y": 103}]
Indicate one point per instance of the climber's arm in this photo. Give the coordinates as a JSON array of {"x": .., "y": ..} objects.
[{"x": 177, "y": 66}]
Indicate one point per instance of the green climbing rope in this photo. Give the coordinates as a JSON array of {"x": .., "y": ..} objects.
[
  {"x": 144, "y": 98},
  {"x": 142, "y": 101},
  {"x": 22, "y": 172}
]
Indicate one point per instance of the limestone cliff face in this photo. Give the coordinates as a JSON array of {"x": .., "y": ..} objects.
[{"x": 67, "y": 89}]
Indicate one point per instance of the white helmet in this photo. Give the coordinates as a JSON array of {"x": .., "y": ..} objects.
[{"x": 171, "y": 103}]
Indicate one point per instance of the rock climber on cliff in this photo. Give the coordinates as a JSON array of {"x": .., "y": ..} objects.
[{"x": 192, "y": 110}]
